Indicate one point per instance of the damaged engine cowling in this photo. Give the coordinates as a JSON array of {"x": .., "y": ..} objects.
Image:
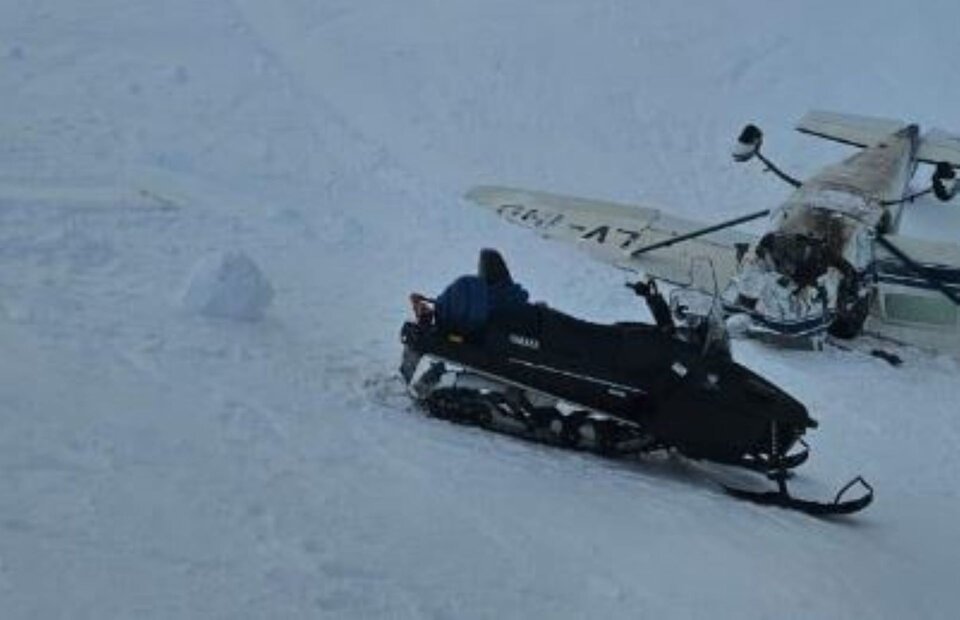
[{"x": 803, "y": 277}]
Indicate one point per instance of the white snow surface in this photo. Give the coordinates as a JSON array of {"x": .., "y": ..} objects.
[{"x": 159, "y": 464}]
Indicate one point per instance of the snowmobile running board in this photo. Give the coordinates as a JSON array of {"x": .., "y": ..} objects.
[{"x": 783, "y": 499}]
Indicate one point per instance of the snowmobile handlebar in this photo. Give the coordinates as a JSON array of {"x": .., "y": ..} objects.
[{"x": 655, "y": 303}]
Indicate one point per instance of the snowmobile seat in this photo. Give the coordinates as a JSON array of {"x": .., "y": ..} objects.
[
  {"x": 576, "y": 339},
  {"x": 567, "y": 339},
  {"x": 621, "y": 347}
]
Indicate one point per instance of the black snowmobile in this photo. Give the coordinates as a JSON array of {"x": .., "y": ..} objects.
[{"x": 627, "y": 388}]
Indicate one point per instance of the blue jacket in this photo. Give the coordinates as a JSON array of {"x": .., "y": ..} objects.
[{"x": 469, "y": 302}]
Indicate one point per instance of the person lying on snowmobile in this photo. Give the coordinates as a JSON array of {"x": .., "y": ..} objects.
[
  {"x": 470, "y": 301},
  {"x": 504, "y": 295}
]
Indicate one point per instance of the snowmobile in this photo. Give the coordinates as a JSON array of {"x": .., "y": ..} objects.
[{"x": 621, "y": 389}]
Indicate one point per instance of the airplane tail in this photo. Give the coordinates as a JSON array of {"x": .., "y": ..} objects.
[{"x": 935, "y": 146}]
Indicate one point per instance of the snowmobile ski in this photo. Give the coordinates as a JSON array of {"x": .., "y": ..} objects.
[{"x": 782, "y": 498}]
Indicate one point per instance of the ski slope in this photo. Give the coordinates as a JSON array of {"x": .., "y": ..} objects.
[{"x": 158, "y": 463}]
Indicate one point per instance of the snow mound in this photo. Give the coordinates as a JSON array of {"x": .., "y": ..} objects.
[{"x": 229, "y": 285}]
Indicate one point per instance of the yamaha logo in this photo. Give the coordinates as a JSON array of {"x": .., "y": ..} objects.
[{"x": 524, "y": 341}]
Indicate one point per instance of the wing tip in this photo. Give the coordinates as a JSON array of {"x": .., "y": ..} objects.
[{"x": 477, "y": 192}]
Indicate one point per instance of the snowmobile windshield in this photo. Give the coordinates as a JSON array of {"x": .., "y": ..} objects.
[
  {"x": 701, "y": 319},
  {"x": 716, "y": 338}
]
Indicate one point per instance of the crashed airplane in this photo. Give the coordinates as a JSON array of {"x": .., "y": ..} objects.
[{"x": 831, "y": 260}]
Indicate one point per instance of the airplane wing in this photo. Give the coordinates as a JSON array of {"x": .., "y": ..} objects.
[
  {"x": 848, "y": 128},
  {"x": 936, "y": 145},
  {"x": 909, "y": 308},
  {"x": 612, "y": 232}
]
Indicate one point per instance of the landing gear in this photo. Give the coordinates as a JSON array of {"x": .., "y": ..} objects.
[{"x": 852, "y": 310}]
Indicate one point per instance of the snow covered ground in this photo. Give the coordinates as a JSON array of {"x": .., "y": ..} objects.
[{"x": 159, "y": 463}]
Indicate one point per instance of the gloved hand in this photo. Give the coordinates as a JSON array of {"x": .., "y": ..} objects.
[{"x": 644, "y": 289}]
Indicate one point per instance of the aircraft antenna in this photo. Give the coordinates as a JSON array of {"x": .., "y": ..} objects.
[{"x": 748, "y": 145}]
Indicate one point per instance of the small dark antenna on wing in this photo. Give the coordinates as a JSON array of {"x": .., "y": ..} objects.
[{"x": 748, "y": 146}]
